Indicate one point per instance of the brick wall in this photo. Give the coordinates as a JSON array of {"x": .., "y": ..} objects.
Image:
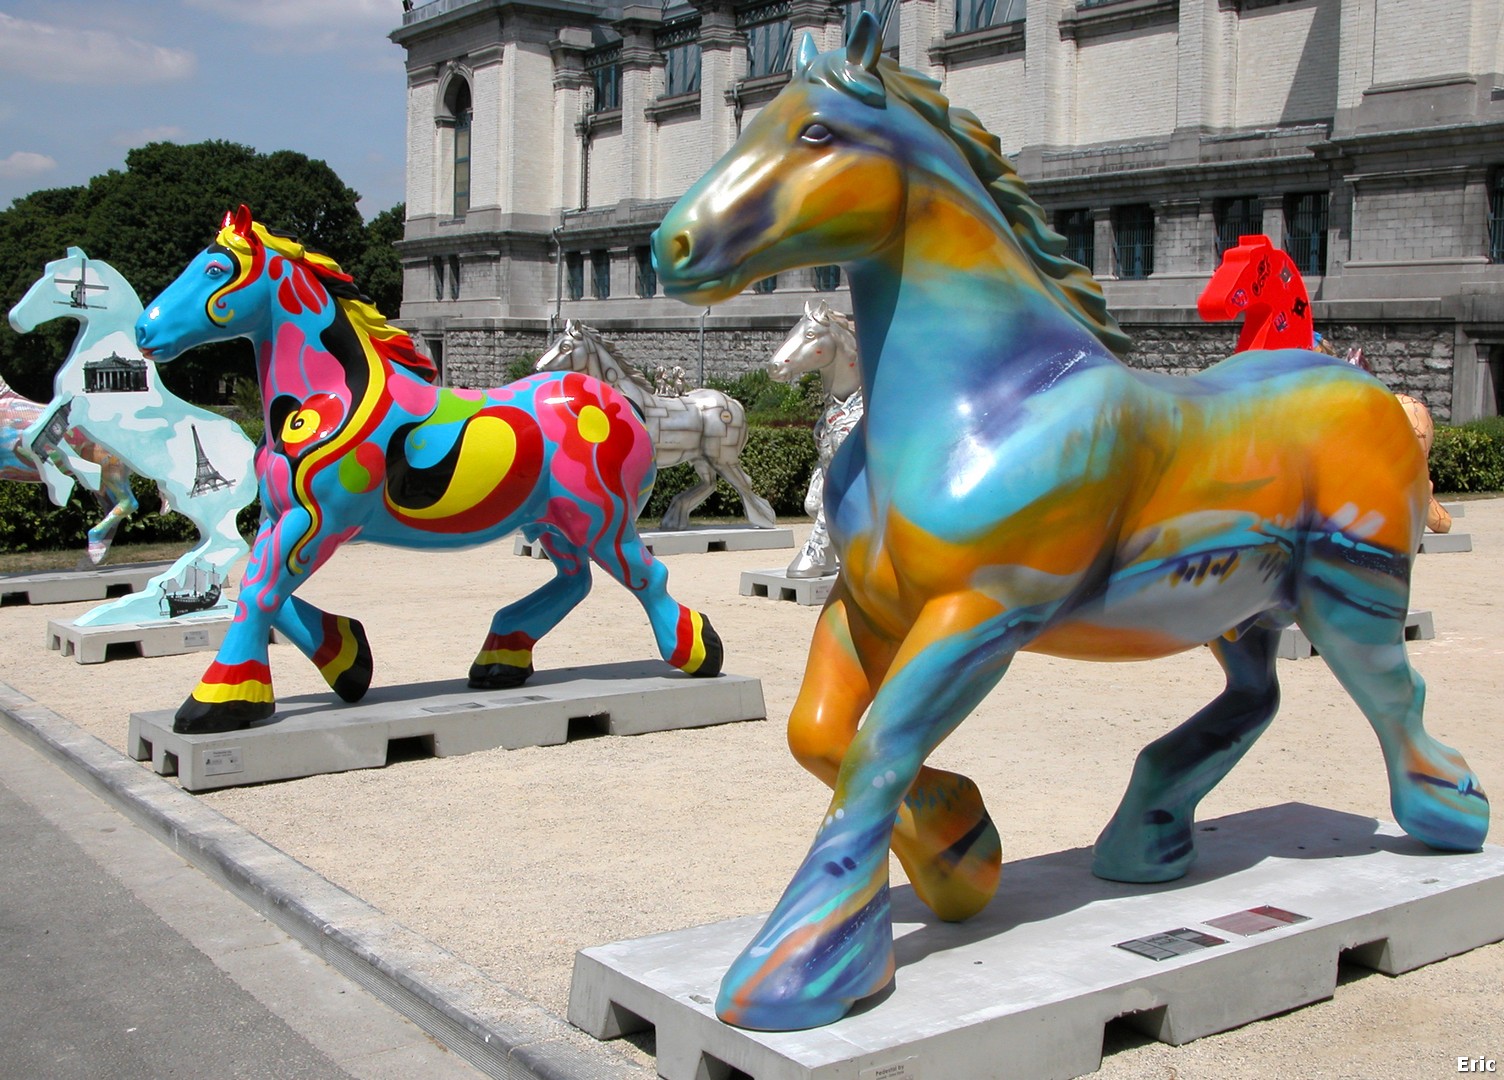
[
  {"x": 1414, "y": 217},
  {"x": 1285, "y": 63},
  {"x": 682, "y": 156},
  {"x": 1414, "y": 41},
  {"x": 1125, "y": 87},
  {"x": 995, "y": 90}
]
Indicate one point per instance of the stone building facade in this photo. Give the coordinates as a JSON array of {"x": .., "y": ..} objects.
[{"x": 547, "y": 139}]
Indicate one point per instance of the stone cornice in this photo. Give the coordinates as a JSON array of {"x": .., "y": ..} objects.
[{"x": 1116, "y": 17}]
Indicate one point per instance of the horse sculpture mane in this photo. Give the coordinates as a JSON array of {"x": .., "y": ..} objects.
[
  {"x": 627, "y": 369},
  {"x": 1068, "y": 281},
  {"x": 249, "y": 237}
]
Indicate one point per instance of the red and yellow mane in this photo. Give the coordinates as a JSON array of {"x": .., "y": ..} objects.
[{"x": 251, "y": 240}]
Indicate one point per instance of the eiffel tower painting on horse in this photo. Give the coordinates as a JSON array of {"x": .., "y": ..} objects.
[
  {"x": 361, "y": 442},
  {"x": 200, "y": 461}
]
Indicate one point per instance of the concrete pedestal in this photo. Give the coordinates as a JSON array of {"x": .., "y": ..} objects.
[
  {"x": 96, "y": 644},
  {"x": 1442, "y": 543},
  {"x": 1294, "y": 645},
  {"x": 1456, "y": 509},
  {"x": 317, "y": 734},
  {"x": 1024, "y": 989},
  {"x": 68, "y": 586},
  {"x": 696, "y": 540},
  {"x": 777, "y": 585}
]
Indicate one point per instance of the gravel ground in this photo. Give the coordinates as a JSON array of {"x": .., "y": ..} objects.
[{"x": 513, "y": 860}]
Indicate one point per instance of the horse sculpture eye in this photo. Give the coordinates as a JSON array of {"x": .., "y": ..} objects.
[
  {"x": 214, "y": 270},
  {"x": 816, "y": 133}
]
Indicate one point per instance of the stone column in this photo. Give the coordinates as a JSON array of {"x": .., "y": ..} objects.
[
  {"x": 919, "y": 26},
  {"x": 1101, "y": 240},
  {"x": 422, "y": 140},
  {"x": 641, "y": 79},
  {"x": 1273, "y": 219},
  {"x": 491, "y": 140},
  {"x": 821, "y": 18},
  {"x": 1177, "y": 247},
  {"x": 723, "y": 58},
  {"x": 570, "y": 83},
  {"x": 1206, "y": 59},
  {"x": 1050, "y": 81}
]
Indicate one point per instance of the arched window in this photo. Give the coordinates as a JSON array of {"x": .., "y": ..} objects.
[{"x": 455, "y": 115}]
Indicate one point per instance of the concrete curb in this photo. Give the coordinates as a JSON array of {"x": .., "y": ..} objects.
[{"x": 501, "y": 1034}]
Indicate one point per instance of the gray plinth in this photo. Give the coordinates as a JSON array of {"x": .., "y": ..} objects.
[
  {"x": 316, "y": 734},
  {"x": 169, "y": 637},
  {"x": 696, "y": 540},
  {"x": 1294, "y": 645},
  {"x": 777, "y": 585},
  {"x": 1442, "y": 543},
  {"x": 1033, "y": 979},
  {"x": 70, "y": 586}
]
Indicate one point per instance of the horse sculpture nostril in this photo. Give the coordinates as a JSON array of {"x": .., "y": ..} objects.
[{"x": 681, "y": 250}]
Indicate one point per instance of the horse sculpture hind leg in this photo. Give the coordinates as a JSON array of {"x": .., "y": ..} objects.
[
  {"x": 1150, "y": 836},
  {"x": 1434, "y": 795},
  {"x": 506, "y": 656}
]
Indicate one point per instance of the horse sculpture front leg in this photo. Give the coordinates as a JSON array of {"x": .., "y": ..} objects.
[
  {"x": 829, "y": 941},
  {"x": 236, "y": 691}
]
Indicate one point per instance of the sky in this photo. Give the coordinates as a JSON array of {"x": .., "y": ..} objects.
[{"x": 84, "y": 81}]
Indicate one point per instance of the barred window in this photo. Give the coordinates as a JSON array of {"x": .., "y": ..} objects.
[
  {"x": 438, "y": 277},
  {"x": 1305, "y": 231},
  {"x": 679, "y": 42},
  {"x": 1133, "y": 240},
  {"x": 600, "y": 274},
  {"x": 454, "y": 277},
  {"x": 1496, "y": 217},
  {"x": 1080, "y": 236},
  {"x": 766, "y": 285},
  {"x": 647, "y": 275},
  {"x": 979, "y": 14},
  {"x": 574, "y": 272},
  {"x": 1236, "y": 218},
  {"x": 827, "y": 278},
  {"x": 769, "y": 37},
  {"x": 604, "y": 66}
]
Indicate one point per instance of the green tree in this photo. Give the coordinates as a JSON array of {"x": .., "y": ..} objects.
[
  {"x": 149, "y": 220},
  {"x": 378, "y": 271}
]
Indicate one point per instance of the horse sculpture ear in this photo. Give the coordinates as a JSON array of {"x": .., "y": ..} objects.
[
  {"x": 866, "y": 42},
  {"x": 808, "y": 51},
  {"x": 242, "y": 221}
]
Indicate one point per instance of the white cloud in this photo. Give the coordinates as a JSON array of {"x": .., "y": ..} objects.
[
  {"x": 89, "y": 57},
  {"x": 142, "y": 136},
  {"x": 23, "y": 164},
  {"x": 303, "y": 14}
]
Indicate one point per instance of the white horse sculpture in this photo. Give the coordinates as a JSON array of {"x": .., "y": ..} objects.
[
  {"x": 824, "y": 341},
  {"x": 703, "y": 427},
  {"x": 106, "y": 389},
  {"x": 102, "y": 472}
]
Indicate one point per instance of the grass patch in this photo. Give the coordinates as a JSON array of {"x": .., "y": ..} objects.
[{"x": 25, "y": 562}]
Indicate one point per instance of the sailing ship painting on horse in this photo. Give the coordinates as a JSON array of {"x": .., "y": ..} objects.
[
  {"x": 1015, "y": 486},
  {"x": 360, "y": 442}
]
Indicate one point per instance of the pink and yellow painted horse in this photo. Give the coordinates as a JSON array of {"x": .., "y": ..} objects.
[
  {"x": 1019, "y": 488},
  {"x": 360, "y": 442}
]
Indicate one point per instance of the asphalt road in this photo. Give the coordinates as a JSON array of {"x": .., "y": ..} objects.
[{"x": 119, "y": 960}]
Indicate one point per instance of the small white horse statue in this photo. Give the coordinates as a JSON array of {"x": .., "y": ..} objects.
[
  {"x": 703, "y": 427},
  {"x": 824, "y": 341},
  {"x": 201, "y": 462},
  {"x": 102, "y": 472}
]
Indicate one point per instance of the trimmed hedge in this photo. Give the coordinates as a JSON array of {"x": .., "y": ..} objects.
[
  {"x": 1469, "y": 457},
  {"x": 779, "y": 461}
]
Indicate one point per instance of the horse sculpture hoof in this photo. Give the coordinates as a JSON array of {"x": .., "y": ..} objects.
[
  {"x": 195, "y": 717},
  {"x": 498, "y": 676},
  {"x": 715, "y": 652},
  {"x": 352, "y": 681}
]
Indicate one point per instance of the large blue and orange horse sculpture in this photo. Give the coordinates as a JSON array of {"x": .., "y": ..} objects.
[
  {"x": 359, "y": 441},
  {"x": 1018, "y": 487}
]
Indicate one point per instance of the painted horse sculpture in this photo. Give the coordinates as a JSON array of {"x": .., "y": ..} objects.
[
  {"x": 101, "y": 471},
  {"x": 1261, "y": 283},
  {"x": 360, "y": 442},
  {"x": 201, "y": 461},
  {"x": 1013, "y": 485},
  {"x": 704, "y": 427},
  {"x": 824, "y": 341}
]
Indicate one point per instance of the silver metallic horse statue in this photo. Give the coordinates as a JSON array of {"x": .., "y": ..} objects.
[
  {"x": 824, "y": 341},
  {"x": 703, "y": 427}
]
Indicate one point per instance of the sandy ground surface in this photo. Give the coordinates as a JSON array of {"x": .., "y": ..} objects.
[{"x": 514, "y": 860}]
